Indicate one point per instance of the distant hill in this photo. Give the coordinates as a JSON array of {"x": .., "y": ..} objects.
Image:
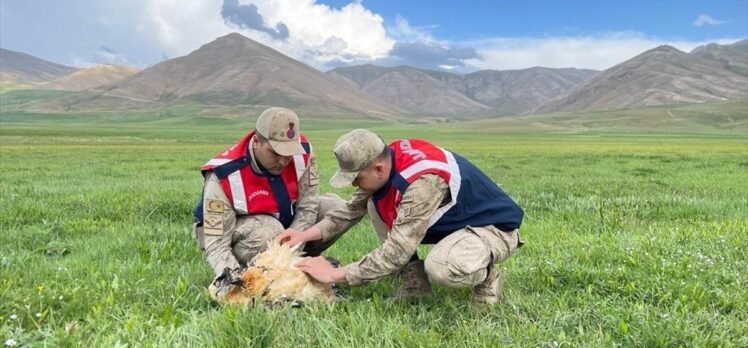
[
  {"x": 733, "y": 57},
  {"x": 235, "y": 74},
  {"x": 415, "y": 90},
  {"x": 442, "y": 93},
  {"x": 24, "y": 69},
  {"x": 92, "y": 77},
  {"x": 233, "y": 70},
  {"x": 521, "y": 91},
  {"x": 660, "y": 76}
]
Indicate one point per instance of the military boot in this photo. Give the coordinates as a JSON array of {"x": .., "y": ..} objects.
[
  {"x": 415, "y": 283},
  {"x": 489, "y": 291}
]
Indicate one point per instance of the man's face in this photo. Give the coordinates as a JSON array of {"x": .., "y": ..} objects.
[
  {"x": 268, "y": 158},
  {"x": 373, "y": 177}
]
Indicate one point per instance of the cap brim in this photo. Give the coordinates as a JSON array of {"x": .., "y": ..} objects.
[
  {"x": 342, "y": 179},
  {"x": 287, "y": 148}
]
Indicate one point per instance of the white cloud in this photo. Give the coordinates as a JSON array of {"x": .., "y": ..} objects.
[
  {"x": 101, "y": 55},
  {"x": 705, "y": 19},
  {"x": 356, "y": 33},
  {"x": 324, "y": 37},
  {"x": 181, "y": 26},
  {"x": 416, "y": 46},
  {"x": 597, "y": 52},
  {"x": 403, "y": 31},
  {"x": 311, "y": 25}
]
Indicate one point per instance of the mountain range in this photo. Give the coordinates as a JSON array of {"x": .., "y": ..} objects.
[
  {"x": 236, "y": 71},
  {"x": 487, "y": 91},
  {"x": 26, "y": 71}
]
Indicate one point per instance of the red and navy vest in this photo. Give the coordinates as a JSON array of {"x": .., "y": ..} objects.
[
  {"x": 475, "y": 200},
  {"x": 257, "y": 193}
]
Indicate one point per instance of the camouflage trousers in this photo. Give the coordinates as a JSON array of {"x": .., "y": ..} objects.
[
  {"x": 251, "y": 234},
  {"x": 463, "y": 258}
]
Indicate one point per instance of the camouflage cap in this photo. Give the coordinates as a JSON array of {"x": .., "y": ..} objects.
[
  {"x": 354, "y": 151},
  {"x": 281, "y": 127}
]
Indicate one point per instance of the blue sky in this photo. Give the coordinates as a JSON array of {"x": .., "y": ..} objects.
[
  {"x": 666, "y": 19},
  {"x": 454, "y": 36}
]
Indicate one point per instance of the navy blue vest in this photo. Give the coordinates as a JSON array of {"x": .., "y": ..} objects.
[{"x": 480, "y": 202}]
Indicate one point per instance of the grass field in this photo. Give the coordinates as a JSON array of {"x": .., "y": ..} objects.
[{"x": 635, "y": 237}]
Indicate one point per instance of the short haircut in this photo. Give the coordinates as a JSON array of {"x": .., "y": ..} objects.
[
  {"x": 385, "y": 154},
  {"x": 261, "y": 138}
]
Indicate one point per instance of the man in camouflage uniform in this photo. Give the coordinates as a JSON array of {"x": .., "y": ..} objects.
[
  {"x": 417, "y": 193},
  {"x": 262, "y": 185}
]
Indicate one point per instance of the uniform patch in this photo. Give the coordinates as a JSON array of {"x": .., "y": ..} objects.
[
  {"x": 404, "y": 206},
  {"x": 214, "y": 206},
  {"x": 213, "y": 224},
  {"x": 313, "y": 176},
  {"x": 404, "y": 211}
]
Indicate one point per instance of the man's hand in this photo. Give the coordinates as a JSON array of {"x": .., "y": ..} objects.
[
  {"x": 292, "y": 237},
  {"x": 321, "y": 270}
]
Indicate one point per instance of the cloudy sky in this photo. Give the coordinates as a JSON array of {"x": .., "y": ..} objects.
[{"x": 450, "y": 35}]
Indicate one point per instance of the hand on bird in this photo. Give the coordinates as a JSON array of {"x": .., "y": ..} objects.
[
  {"x": 293, "y": 237},
  {"x": 322, "y": 270}
]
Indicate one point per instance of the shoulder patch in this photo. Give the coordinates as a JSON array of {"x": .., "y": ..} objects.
[
  {"x": 214, "y": 206},
  {"x": 403, "y": 207},
  {"x": 213, "y": 224}
]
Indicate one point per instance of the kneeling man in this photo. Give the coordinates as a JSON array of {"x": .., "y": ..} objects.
[
  {"x": 255, "y": 189},
  {"x": 417, "y": 193}
]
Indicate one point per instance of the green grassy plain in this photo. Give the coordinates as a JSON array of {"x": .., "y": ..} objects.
[{"x": 635, "y": 236}]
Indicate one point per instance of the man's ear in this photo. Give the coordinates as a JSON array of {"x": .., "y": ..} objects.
[{"x": 379, "y": 167}]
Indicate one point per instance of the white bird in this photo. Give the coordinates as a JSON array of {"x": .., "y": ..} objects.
[{"x": 273, "y": 277}]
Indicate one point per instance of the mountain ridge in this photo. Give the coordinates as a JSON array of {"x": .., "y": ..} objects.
[
  {"x": 235, "y": 70},
  {"x": 663, "y": 75},
  {"x": 439, "y": 93},
  {"x": 23, "y": 68}
]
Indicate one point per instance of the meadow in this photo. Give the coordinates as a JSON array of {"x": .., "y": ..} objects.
[{"x": 634, "y": 237}]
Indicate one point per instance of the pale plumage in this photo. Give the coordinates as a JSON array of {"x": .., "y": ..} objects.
[{"x": 274, "y": 277}]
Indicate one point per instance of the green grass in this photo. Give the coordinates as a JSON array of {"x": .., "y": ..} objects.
[
  {"x": 13, "y": 98},
  {"x": 6, "y": 86},
  {"x": 635, "y": 237},
  {"x": 717, "y": 117}
]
